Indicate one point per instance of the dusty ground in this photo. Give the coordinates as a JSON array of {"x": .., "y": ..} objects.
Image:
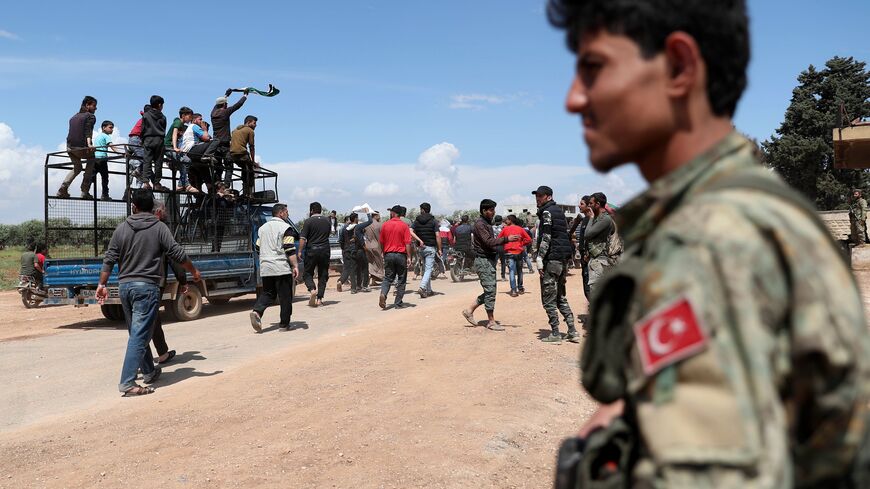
[{"x": 410, "y": 398}]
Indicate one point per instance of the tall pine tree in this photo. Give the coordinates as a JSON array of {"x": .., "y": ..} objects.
[{"x": 802, "y": 151}]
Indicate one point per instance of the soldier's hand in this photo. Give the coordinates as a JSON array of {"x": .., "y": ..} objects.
[
  {"x": 605, "y": 415},
  {"x": 539, "y": 262}
]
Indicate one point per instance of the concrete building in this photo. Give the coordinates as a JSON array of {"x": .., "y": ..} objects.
[{"x": 531, "y": 208}]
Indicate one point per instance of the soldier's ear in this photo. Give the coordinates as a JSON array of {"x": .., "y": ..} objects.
[{"x": 685, "y": 65}]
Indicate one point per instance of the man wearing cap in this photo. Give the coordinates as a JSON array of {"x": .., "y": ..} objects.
[
  {"x": 554, "y": 251},
  {"x": 396, "y": 240},
  {"x": 220, "y": 121},
  {"x": 485, "y": 245}
]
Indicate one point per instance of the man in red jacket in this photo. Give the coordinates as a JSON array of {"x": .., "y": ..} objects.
[{"x": 514, "y": 251}]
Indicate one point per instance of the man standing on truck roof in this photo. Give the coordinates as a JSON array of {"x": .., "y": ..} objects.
[
  {"x": 153, "y": 136},
  {"x": 276, "y": 244},
  {"x": 79, "y": 147},
  {"x": 220, "y": 121},
  {"x": 138, "y": 246},
  {"x": 242, "y": 151},
  {"x": 314, "y": 241}
]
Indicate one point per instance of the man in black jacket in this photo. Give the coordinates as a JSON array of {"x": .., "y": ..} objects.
[
  {"x": 153, "y": 137},
  {"x": 220, "y": 121},
  {"x": 426, "y": 227},
  {"x": 554, "y": 251},
  {"x": 314, "y": 241}
]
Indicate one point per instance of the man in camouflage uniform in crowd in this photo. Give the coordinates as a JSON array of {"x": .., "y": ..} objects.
[
  {"x": 858, "y": 217},
  {"x": 597, "y": 236},
  {"x": 554, "y": 251},
  {"x": 728, "y": 347}
]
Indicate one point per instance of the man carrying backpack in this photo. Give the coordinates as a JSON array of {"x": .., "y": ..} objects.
[
  {"x": 597, "y": 236},
  {"x": 554, "y": 251}
]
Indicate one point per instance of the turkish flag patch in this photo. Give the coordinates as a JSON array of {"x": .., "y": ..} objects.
[{"x": 668, "y": 335}]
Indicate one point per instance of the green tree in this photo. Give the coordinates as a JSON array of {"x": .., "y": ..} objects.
[{"x": 802, "y": 148}]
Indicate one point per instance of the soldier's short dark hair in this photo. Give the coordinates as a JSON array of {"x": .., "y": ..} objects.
[
  {"x": 143, "y": 199},
  {"x": 425, "y": 207},
  {"x": 600, "y": 198},
  {"x": 249, "y": 118},
  {"x": 184, "y": 111},
  {"x": 315, "y": 207},
  {"x": 156, "y": 101},
  {"x": 278, "y": 208},
  {"x": 721, "y": 29},
  {"x": 353, "y": 217}
]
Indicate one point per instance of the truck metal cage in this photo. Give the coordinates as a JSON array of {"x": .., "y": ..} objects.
[{"x": 203, "y": 222}]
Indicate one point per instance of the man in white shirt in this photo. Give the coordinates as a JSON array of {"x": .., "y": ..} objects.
[{"x": 276, "y": 243}]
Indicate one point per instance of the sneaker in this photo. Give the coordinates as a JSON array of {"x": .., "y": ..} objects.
[
  {"x": 514, "y": 293},
  {"x": 469, "y": 316},
  {"x": 62, "y": 193},
  {"x": 354, "y": 291},
  {"x": 312, "y": 300},
  {"x": 150, "y": 379},
  {"x": 382, "y": 301},
  {"x": 87, "y": 196},
  {"x": 553, "y": 338},
  {"x": 283, "y": 327},
  {"x": 105, "y": 197},
  {"x": 573, "y": 336},
  {"x": 521, "y": 290},
  {"x": 401, "y": 305},
  {"x": 423, "y": 293},
  {"x": 365, "y": 289},
  {"x": 256, "y": 322}
]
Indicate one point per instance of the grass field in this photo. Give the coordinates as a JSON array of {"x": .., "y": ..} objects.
[{"x": 10, "y": 263}]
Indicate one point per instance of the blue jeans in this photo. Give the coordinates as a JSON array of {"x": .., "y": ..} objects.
[
  {"x": 182, "y": 162},
  {"x": 141, "y": 302},
  {"x": 515, "y": 265},
  {"x": 527, "y": 260},
  {"x": 428, "y": 254}
]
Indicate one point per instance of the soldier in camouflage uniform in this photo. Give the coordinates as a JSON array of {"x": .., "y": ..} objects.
[
  {"x": 554, "y": 251},
  {"x": 728, "y": 347},
  {"x": 858, "y": 218},
  {"x": 597, "y": 236}
]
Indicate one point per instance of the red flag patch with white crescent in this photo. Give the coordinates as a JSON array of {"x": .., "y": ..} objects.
[{"x": 670, "y": 334}]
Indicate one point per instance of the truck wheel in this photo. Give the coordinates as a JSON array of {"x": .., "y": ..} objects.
[
  {"x": 113, "y": 312},
  {"x": 218, "y": 300},
  {"x": 187, "y": 307}
]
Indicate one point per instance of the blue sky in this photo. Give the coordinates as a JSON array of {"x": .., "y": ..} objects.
[{"x": 382, "y": 101}]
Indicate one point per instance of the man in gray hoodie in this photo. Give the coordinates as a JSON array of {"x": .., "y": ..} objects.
[{"x": 138, "y": 246}]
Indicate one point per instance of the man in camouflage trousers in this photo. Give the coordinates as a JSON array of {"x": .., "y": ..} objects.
[
  {"x": 728, "y": 347},
  {"x": 858, "y": 217},
  {"x": 485, "y": 245},
  {"x": 554, "y": 251},
  {"x": 597, "y": 236}
]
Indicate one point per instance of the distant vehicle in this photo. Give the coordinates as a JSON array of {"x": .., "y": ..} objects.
[
  {"x": 32, "y": 294},
  {"x": 217, "y": 233}
]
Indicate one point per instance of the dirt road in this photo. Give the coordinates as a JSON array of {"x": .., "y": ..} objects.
[{"x": 353, "y": 397}]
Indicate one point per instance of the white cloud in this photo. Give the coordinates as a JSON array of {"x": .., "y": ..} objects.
[
  {"x": 478, "y": 101},
  {"x": 21, "y": 177},
  {"x": 300, "y": 193},
  {"x": 474, "y": 101},
  {"x": 9, "y": 35},
  {"x": 439, "y": 174},
  {"x": 378, "y": 189}
]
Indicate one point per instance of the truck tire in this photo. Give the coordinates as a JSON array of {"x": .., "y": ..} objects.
[
  {"x": 112, "y": 312},
  {"x": 188, "y": 306},
  {"x": 218, "y": 300}
]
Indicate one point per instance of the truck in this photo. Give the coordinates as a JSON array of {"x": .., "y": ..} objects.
[{"x": 218, "y": 232}]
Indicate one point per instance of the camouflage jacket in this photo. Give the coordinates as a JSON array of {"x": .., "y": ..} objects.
[
  {"x": 858, "y": 209},
  {"x": 735, "y": 334},
  {"x": 597, "y": 233}
]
